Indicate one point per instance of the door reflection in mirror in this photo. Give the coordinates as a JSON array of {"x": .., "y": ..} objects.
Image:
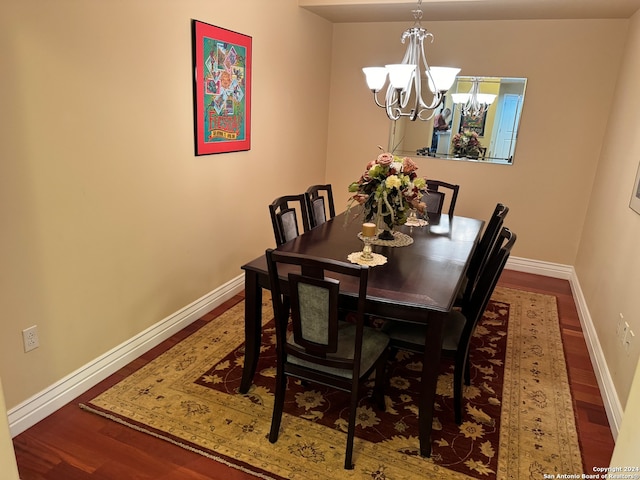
[{"x": 487, "y": 136}]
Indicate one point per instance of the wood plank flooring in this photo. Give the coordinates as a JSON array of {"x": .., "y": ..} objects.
[{"x": 72, "y": 444}]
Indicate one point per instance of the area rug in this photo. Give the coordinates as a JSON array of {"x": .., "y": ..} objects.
[{"x": 518, "y": 420}]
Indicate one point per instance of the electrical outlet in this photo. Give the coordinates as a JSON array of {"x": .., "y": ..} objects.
[
  {"x": 628, "y": 340},
  {"x": 623, "y": 333},
  {"x": 30, "y": 338}
]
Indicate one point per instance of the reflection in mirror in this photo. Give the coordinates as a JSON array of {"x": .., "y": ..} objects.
[{"x": 485, "y": 136}]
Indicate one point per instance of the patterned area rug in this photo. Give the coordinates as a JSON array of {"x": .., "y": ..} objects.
[{"x": 518, "y": 420}]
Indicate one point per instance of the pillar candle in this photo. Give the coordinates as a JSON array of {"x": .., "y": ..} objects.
[{"x": 368, "y": 229}]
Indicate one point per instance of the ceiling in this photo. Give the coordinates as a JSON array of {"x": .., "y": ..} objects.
[{"x": 345, "y": 11}]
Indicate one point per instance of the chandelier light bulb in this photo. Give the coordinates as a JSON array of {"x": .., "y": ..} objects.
[
  {"x": 401, "y": 75},
  {"x": 376, "y": 77},
  {"x": 443, "y": 77}
]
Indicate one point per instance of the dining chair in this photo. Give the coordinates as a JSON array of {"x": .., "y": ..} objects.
[
  {"x": 284, "y": 217},
  {"x": 460, "y": 324},
  {"x": 320, "y": 348},
  {"x": 319, "y": 197},
  {"x": 435, "y": 197},
  {"x": 482, "y": 251}
]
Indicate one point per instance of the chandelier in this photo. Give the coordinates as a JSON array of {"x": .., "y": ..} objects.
[
  {"x": 473, "y": 103},
  {"x": 401, "y": 99}
]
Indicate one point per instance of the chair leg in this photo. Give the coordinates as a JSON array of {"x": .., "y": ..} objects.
[
  {"x": 393, "y": 351},
  {"x": 458, "y": 374},
  {"x": 278, "y": 406},
  {"x": 348, "y": 464},
  {"x": 380, "y": 382},
  {"x": 461, "y": 374},
  {"x": 467, "y": 373}
]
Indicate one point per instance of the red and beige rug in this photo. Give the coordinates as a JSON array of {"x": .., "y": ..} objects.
[{"x": 518, "y": 420}]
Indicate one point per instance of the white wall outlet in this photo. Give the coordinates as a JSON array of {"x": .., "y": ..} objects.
[
  {"x": 30, "y": 338},
  {"x": 628, "y": 340},
  {"x": 623, "y": 334}
]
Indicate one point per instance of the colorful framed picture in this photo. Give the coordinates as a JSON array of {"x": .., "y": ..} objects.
[
  {"x": 222, "y": 89},
  {"x": 474, "y": 123}
]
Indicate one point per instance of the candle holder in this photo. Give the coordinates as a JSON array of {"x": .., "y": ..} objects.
[
  {"x": 415, "y": 220},
  {"x": 368, "y": 232}
]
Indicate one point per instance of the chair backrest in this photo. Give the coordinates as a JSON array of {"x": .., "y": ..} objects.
[
  {"x": 319, "y": 197},
  {"x": 475, "y": 306},
  {"x": 435, "y": 197},
  {"x": 312, "y": 286},
  {"x": 484, "y": 247},
  {"x": 284, "y": 217}
]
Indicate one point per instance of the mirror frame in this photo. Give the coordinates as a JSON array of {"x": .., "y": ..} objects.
[{"x": 417, "y": 138}]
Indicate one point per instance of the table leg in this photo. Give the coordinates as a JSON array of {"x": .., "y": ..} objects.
[
  {"x": 430, "y": 371},
  {"x": 252, "y": 328}
]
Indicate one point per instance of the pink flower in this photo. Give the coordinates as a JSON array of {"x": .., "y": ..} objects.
[
  {"x": 418, "y": 205},
  {"x": 385, "y": 159},
  {"x": 408, "y": 165},
  {"x": 360, "y": 198}
]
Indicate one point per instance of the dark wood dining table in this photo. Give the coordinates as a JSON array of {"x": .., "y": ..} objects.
[{"x": 418, "y": 284}]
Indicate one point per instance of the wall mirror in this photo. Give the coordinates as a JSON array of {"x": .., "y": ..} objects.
[{"x": 493, "y": 132}]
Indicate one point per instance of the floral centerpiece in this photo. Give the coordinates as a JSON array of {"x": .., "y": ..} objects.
[
  {"x": 388, "y": 190},
  {"x": 466, "y": 144}
]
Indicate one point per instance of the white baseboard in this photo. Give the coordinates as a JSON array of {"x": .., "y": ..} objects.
[
  {"x": 34, "y": 409},
  {"x": 548, "y": 269},
  {"x": 44, "y": 403},
  {"x": 610, "y": 398}
]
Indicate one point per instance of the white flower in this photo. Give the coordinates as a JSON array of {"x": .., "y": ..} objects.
[{"x": 393, "y": 181}]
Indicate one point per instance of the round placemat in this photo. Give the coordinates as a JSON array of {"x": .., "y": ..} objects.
[
  {"x": 356, "y": 257},
  {"x": 399, "y": 240}
]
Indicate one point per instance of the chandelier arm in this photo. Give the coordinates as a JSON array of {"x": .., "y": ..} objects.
[
  {"x": 437, "y": 95},
  {"x": 417, "y": 100},
  {"x": 411, "y": 58},
  {"x": 421, "y": 117},
  {"x": 375, "y": 98},
  {"x": 393, "y": 113},
  {"x": 408, "y": 59},
  {"x": 390, "y": 104},
  {"x": 417, "y": 82}
]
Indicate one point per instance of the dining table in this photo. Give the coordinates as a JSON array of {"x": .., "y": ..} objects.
[{"x": 419, "y": 283}]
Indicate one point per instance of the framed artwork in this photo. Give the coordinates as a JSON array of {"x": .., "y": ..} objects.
[
  {"x": 635, "y": 195},
  {"x": 474, "y": 123},
  {"x": 222, "y": 89}
]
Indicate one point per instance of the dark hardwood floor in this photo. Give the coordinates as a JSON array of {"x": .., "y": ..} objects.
[{"x": 72, "y": 444}]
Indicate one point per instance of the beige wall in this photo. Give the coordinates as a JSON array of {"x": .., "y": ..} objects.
[
  {"x": 110, "y": 223},
  {"x": 608, "y": 261}
]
